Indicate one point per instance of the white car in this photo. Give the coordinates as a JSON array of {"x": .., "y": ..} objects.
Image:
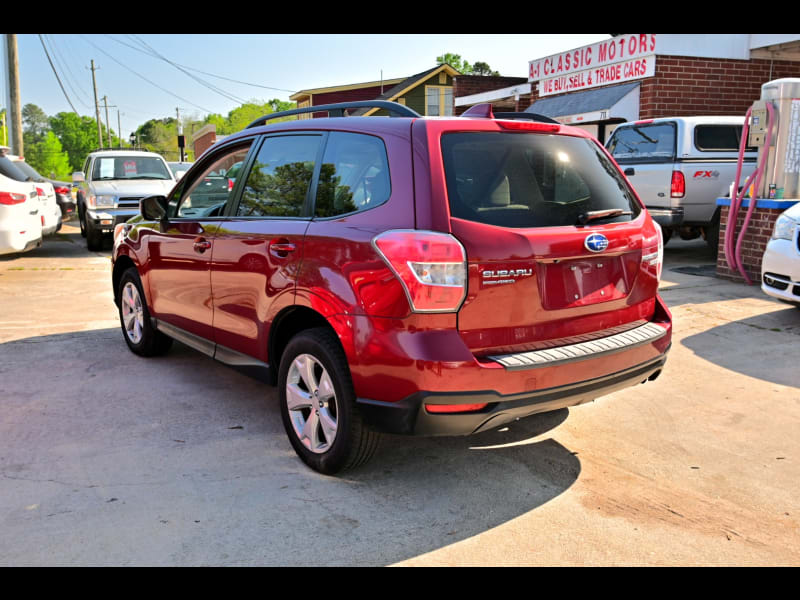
[
  {"x": 50, "y": 210},
  {"x": 780, "y": 266},
  {"x": 20, "y": 208}
]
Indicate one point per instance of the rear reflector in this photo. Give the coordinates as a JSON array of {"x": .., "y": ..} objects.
[
  {"x": 40, "y": 192},
  {"x": 432, "y": 267},
  {"x": 529, "y": 126},
  {"x": 454, "y": 408},
  {"x": 9, "y": 198}
]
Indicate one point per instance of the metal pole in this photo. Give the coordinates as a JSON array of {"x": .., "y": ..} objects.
[
  {"x": 119, "y": 130},
  {"x": 97, "y": 110},
  {"x": 15, "y": 106},
  {"x": 108, "y": 123}
]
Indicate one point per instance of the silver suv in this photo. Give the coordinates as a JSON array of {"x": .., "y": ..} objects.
[{"x": 110, "y": 186}]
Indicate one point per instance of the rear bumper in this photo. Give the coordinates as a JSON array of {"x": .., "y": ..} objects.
[
  {"x": 666, "y": 217},
  {"x": 415, "y": 381},
  {"x": 411, "y": 417}
]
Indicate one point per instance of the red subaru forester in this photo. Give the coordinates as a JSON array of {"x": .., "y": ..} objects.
[{"x": 411, "y": 275}]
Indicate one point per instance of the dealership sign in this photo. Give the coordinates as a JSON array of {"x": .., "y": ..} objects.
[{"x": 617, "y": 60}]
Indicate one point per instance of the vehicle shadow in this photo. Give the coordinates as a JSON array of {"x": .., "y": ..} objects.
[
  {"x": 184, "y": 441},
  {"x": 760, "y": 346},
  {"x": 67, "y": 243}
]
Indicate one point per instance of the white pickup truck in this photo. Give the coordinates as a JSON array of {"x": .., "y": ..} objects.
[{"x": 679, "y": 166}]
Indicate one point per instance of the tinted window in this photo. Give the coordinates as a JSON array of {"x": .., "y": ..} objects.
[
  {"x": 726, "y": 138},
  {"x": 206, "y": 194},
  {"x": 648, "y": 142},
  {"x": 529, "y": 180},
  {"x": 130, "y": 167},
  {"x": 278, "y": 182},
  {"x": 354, "y": 175}
]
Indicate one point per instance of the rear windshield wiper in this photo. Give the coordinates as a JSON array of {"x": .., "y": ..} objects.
[{"x": 594, "y": 215}]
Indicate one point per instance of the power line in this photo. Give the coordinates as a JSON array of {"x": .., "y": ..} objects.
[
  {"x": 266, "y": 87},
  {"x": 56, "y": 74},
  {"x": 64, "y": 65},
  {"x": 145, "y": 78},
  {"x": 209, "y": 86}
]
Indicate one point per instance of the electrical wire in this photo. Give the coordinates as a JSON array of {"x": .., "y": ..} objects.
[
  {"x": 145, "y": 78},
  {"x": 266, "y": 87},
  {"x": 52, "y": 66},
  {"x": 63, "y": 64}
]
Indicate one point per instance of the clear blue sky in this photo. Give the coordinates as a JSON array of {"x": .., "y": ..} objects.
[{"x": 142, "y": 86}]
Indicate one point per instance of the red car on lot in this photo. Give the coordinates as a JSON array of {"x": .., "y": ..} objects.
[{"x": 408, "y": 275}]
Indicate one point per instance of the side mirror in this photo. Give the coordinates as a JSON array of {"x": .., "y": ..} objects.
[
  {"x": 78, "y": 177},
  {"x": 153, "y": 208}
]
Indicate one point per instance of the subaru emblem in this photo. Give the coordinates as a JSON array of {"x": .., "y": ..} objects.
[{"x": 596, "y": 242}]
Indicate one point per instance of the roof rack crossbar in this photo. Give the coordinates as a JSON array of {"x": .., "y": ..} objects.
[{"x": 338, "y": 110}]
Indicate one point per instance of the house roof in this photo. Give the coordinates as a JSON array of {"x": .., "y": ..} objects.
[
  {"x": 582, "y": 102},
  {"x": 341, "y": 88},
  {"x": 406, "y": 84}
]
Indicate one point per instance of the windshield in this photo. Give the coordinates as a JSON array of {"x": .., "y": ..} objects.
[
  {"x": 531, "y": 180},
  {"x": 130, "y": 167}
]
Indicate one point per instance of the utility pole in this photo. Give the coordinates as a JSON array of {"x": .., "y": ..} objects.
[
  {"x": 181, "y": 138},
  {"x": 14, "y": 112},
  {"x": 108, "y": 123},
  {"x": 119, "y": 129},
  {"x": 97, "y": 109}
]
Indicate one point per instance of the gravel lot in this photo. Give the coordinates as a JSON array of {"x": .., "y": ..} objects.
[{"x": 111, "y": 459}]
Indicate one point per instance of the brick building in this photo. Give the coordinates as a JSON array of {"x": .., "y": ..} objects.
[{"x": 641, "y": 76}]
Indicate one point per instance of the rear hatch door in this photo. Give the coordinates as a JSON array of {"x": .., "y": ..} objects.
[{"x": 554, "y": 240}]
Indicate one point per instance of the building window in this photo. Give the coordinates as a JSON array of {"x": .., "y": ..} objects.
[{"x": 438, "y": 100}]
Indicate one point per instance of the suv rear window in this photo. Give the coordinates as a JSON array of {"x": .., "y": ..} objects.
[
  {"x": 530, "y": 180},
  {"x": 643, "y": 142}
]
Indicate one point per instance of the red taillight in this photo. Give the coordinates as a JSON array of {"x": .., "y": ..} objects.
[
  {"x": 9, "y": 198},
  {"x": 678, "y": 185},
  {"x": 40, "y": 192},
  {"x": 454, "y": 408},
  {"x": 431, "y": 266},
  {"x": 230, "y": 184},
  {"x": 62, "y": 190},
  {"x": 529, "y": 126},
  {"x": 653, "y": 251},
  {"x": 42, "y": 220},
  {"x": 644, "y": 122}
]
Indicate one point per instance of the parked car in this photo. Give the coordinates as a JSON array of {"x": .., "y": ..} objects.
[
  {"x": 20, "y": 221},
  {"x": 50, "y": 211},
  {"x": 679, "y": 166},
  {"x": 780, "y": 265},
  {"x": 410, "y": 275},
  {"x": 179, "y": 168},
  {"x": 110, "y": 186},
  {"x": 62, "y": 189}
]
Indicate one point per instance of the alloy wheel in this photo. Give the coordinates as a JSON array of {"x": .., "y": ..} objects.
[
  {"x": 311, "y": 400},
  {"x": 132, "y": 312}
]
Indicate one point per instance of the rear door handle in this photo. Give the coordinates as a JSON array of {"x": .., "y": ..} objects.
[
  {"x": 201, "y": 245},
  {"x": 281, "y": 248}
]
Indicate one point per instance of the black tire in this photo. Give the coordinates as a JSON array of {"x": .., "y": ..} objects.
[
  {"x": 82, "y": 219},
  {"x": 151, "y": 342},
  {"x": 94, "y": 238},
  {"x": 712, "y": 236},
  {"x": 665, "y": 234},
  {"x": 352, "y": 444}
]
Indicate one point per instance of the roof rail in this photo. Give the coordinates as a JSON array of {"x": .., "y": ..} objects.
[
  {"x": 338, "y": 110},
  {"x": 120, "y": 149},
  {"x": 485, "y": 111}
]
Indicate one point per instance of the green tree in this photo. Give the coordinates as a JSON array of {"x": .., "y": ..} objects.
[
  {"x": 463, "y": 67},
  {"x": 34, "y": 122},
  {"x": 78, "y": 136},
  {"x": 47, "y": 156}
]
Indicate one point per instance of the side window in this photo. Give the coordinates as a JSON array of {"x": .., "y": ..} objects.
[
  {"x": 354, "y": 175},
  {"x": 726, "y": 138},
  {"x": 277, "y": 184},
  {"x": 207, "y": 193}
]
